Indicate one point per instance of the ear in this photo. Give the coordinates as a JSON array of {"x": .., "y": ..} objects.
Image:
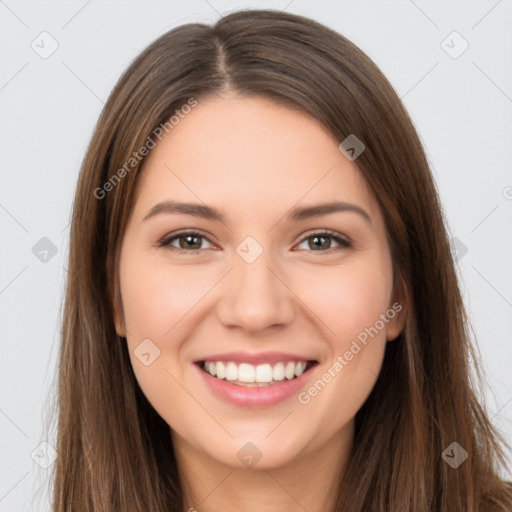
[
  {"x": 115, "y": 299},
  {"x": 398, "y": 309}
]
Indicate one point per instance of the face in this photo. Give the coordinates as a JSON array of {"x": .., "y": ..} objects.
[{"x": 287, "y": 301}]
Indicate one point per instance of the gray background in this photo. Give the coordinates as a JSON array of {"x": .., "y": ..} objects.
[{"x": 461, "y": 104}]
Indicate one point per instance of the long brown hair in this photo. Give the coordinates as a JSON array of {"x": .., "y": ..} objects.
[{"x": 114, "y": 450}]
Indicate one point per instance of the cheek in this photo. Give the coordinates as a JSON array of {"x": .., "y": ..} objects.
[
  {"x": 155, "y": 297},
  {"x": 156, "y": 300},
  {"x": 348, "y": 299},
  {"x": 161, "y": 303}
]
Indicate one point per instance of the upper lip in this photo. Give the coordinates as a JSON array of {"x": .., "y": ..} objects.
[{"x": 254, "y": 358}]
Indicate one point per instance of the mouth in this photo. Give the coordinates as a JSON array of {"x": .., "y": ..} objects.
[{"x": 256, "y": 376}]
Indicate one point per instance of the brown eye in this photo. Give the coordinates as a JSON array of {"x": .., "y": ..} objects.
[
  {"x": 187, "y": 241},
  {"x": 321, "y": 241}
]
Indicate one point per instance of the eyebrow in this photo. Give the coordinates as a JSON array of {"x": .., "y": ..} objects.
[{"x": 298, "y": 213}]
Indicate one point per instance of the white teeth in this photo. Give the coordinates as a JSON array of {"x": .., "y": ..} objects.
[
  {"x": 220, "y": 370},
  {"x": 299, "y": 368},
  {"x": 278, "y": 371},
  {"x": 245, "y": 372},
  {"x": 212, "y": 368},
  {"x": 251, "y": 374},
  {"x": 263, "y": 373},
  {"x": 231, "y": 371}
]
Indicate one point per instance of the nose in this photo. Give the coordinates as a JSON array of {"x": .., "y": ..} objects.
[{"x": 255, "y": 297}]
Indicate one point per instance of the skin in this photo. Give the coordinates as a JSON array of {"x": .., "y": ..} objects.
[{"x": 255, "y": 160}]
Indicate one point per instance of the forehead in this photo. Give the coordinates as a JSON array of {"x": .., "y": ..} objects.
[{"x": 253, "y": 156}]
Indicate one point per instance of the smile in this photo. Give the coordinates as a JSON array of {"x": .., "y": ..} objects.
[
  {"x": 249, "y": 375},
  {"x": 258, "y": 385}
]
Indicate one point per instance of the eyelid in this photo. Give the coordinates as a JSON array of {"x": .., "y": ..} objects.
[
  {"x": 341, "y": 239},
  {"x": 168, "y": 238}
]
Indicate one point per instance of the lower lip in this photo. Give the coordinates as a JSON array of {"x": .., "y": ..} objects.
[{"x": 265, "y": 396}]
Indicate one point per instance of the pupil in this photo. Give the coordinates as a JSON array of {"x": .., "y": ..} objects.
[
  {"x": 324, "y": 245},
  {"x": 188, "y": 239}
]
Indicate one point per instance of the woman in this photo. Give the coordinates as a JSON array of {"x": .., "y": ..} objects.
[{"x": 262, "y": 311}]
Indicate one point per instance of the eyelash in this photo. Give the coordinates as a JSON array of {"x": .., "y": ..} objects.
[{"x": 166, "y": 241}]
